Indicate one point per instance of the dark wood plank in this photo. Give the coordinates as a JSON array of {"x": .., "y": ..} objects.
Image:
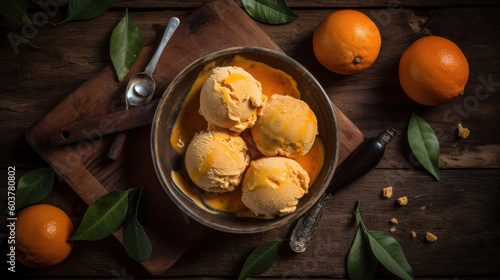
[
  {"x": 442, "y": 208},
  {"x": 125, "y": 275},
  {"x": 372, "y": 99},
  {"x": 108, "y": 250},
  {"x": 315, "y": 4},
  {"x": 458, "y": 209},
  {"x": 294, "y": 4},
  {"x": 85, "y": 166},
  {"x": 71, "y": 60}
]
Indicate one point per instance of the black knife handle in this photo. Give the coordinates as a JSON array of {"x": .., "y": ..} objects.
[{"x": 366, "y": 157}]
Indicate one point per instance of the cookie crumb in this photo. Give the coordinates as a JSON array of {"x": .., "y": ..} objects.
[
  {"x": 393, "y": 229},
  {"x": 387, "y": 192},
  {"x": 463, "y": 132},
  {"x": 413, "y": 234},
  {"x": 430, "y": 237},
  {"x": 402, "y": 200},
  {"x": 394, "y": 221}
]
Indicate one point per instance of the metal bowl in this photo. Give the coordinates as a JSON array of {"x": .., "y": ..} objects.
[{"x": 166, "y": 159}]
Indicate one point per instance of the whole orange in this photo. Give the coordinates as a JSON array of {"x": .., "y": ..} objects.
[
  {"x": 42, "y": 233},
  {"x": 433, "y": 71},
  {"x": 346, "y": 42}
]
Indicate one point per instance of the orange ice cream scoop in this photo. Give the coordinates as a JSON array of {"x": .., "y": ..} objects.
[
  {"x": 273, "y": 186},
  {"x": 231, "y": 98},
  {"x": 216, "y": 160},
  {"x": 287, "y": 127}
]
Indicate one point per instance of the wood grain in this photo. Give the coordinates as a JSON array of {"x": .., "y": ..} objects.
[
  {"x": 372, "y": 99},
  {"x": 461, "y": 218},
  {"x": 108, "y": 124},
  {"x": 294, "y": 4},
  {"x": 429, "y": 209},
  {"x": 82, "y": 164},
  {"x": 461, "y": 208}
]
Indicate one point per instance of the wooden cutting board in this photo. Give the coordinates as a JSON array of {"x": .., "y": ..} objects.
[{"x": 85, "y": 166}]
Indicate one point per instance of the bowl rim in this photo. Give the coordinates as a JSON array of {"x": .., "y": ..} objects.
[{"x": 235, "y": 51}]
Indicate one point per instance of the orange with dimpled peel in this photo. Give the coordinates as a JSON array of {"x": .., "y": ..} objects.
[
  {"x": 42, "y": 233},
  {"x": 433, "y": 71},
  {"x": 346, "y": 42}
]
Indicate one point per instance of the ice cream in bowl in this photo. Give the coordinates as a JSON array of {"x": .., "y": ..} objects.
[{"x": 244, "y": 140}]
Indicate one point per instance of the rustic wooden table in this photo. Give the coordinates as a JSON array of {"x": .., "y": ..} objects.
[{"x": 462, "y": 208}]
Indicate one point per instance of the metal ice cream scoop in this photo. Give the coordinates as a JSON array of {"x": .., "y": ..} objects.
[{"x": 141, "y": 86}]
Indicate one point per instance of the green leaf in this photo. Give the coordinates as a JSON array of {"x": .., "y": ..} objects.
[
  {"x": 14, "y": 8},
  {"x": 125, "y": 46},
  {"x": 260, "y": 260},
  {"x": 133, "y": 203},
  {"x": 389, "y": 253},
  {"x": 34, "y": 186},
  {"x": 104, "y": 216},
  {"x": 86, "y": 9},
  {"x": 371, "y": 246},
  {"x": 269, "y": 11},
  {"x": 361, "y": 263},
  {"x": 424, "y": 144},
  {"x": 135, "y": 240}
]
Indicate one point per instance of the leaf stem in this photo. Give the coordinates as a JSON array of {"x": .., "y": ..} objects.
[
  {"x": 137, "y": 202},
  {"x": 358, "y": 218}
]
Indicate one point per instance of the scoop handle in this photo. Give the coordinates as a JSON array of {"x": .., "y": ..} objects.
[{"x": 169, "y": 31}]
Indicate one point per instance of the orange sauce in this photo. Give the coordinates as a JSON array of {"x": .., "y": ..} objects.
[
  {"x": 227, "y": 202},
  {"x": 312, "y": 162},
  {"x": 189, "y": 122},
  {"x": 274, "y": 81},
  {"x": 188, "y": 191}
]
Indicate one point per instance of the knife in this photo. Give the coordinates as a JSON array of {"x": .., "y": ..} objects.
[{"x": 366, "y": 156}]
